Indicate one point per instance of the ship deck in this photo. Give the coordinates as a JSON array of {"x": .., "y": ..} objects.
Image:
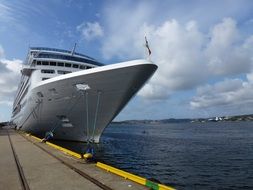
[{"x": 26, "y": 163}]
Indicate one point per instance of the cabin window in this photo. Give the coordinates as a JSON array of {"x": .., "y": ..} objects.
[
  {"x": 47, "y": 71},
  {"x": 60, "y": 64},
  {"x": 38, "y": 62},
  {"x": 45, "y": 78},
  {"x": 63, "y": 72},
  {"x": 67, "y": 65},
  {"x": 53, "y": 63},
  {"x": 82, "y": 67},
  {"x": 44, "y": 63},
  {"x": 88, "y": 67},
  {"x": 75, "y": 66}
]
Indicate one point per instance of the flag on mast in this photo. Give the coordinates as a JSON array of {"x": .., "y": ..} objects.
[{"x": 147, "y": 46}]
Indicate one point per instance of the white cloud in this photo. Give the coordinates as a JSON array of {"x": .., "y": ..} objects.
[
  {"x": 225, "y": 54},
  {"x": 90, "y": 31},
  {"x": 232, "y": 92},
  {"x": 228, "y": 55},
  {"x": 14, "y": 65},
  {"x": 9, "y": 77},
  {"x": 186, "y": 56},
  {"x": 176, "y": 48},
  {"x": 177, "y": 52},
  {"x": 219, "y": 94}
]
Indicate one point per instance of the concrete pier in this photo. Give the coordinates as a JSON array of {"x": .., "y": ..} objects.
[{"x": 26, "y": 163}]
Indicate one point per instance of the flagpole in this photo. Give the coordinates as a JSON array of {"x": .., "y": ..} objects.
[{"x": 147, "y": 49}]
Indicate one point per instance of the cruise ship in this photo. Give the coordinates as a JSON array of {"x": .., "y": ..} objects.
[{"x": 72, "y": 95}]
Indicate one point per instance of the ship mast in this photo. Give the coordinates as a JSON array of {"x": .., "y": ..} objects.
[{"x": 73, "y": 50}]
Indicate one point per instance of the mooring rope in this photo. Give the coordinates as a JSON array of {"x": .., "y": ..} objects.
[
  {"x": 96, "y": 113},
  {"x": 87, "y": 116}
]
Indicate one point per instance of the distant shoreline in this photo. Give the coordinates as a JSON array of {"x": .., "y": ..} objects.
[{"x": 197, "y": 120}]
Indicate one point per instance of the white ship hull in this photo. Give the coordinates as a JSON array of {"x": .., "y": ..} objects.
[{"x": 57, "y": 105}]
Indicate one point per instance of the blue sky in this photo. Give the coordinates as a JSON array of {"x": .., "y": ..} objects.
[{"x": 203, "y": 49}]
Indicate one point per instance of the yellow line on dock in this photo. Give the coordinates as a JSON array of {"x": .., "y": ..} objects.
[
  {"x": 70, "y": 152},
  {"x": 133, "y": 177},
  {"x": 122, "y": 173},
  {"x": 64, "y": 150}
]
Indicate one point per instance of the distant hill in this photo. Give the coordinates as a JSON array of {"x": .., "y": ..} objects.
[
  {"x": 248, "y": 117},
  {"x": 163, "y": 121}
]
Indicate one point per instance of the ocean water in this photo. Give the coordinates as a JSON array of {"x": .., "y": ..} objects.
[{"x": 183, "y": 155}]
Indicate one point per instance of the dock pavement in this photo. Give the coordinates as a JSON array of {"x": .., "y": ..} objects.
[
  {"x": 41, "y": 170},
  {"x": 26, "y": 163}
]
